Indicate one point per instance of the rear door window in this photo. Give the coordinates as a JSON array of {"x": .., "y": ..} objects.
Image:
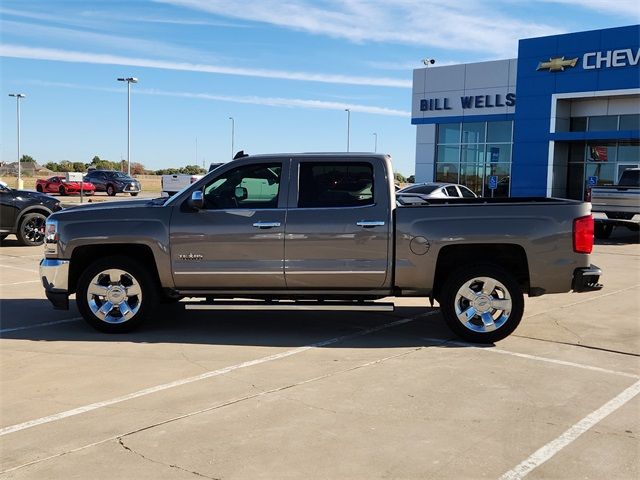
[
  {"x": 335, "y": 184},
  {"x": 452, "y": 191}
]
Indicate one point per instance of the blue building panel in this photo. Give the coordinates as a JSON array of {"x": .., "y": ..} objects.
[
  {"x": 623, "y": 37},
  {"x": 556, "y": 64}
]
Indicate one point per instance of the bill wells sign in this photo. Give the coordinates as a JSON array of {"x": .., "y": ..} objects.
[{"x": 469, "y": 101}]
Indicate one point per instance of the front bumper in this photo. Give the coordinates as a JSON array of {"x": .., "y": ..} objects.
[
  {"x": 54, "y": 274},
  {"x": 129, "y": 188},
  {"x": 586, "y": 279}
]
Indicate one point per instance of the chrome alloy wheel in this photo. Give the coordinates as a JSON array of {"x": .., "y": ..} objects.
[
  {"x": 114, "y": 296},
  {"x": 483, "y": 304}
]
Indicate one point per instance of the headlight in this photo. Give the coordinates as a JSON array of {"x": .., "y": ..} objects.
[{"x": 51, "y": 237}]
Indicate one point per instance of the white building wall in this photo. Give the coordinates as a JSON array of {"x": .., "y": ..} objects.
[{"x": 494, "y": 79}]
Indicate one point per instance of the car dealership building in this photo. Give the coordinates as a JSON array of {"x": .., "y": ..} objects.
[{"x": 562, "y": 116}]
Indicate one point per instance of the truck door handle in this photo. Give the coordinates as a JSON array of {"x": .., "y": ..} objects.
[
  {"x": 266, "y": 224},
  {"x": 370, "y": 224}
]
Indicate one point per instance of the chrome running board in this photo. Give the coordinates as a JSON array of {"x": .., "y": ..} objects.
[{"x": 288, "y": 305}]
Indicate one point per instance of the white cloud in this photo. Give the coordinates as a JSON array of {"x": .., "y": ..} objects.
[
  {"x": 47, "y": 34},
  {"x": 251, "y": 100},
  {"x": 455, "y": 24},
  {"x": 20, "y": 51},
  {"x": 630, "y": 9}
]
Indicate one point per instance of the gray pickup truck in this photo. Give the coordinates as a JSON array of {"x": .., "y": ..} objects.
[
  {"x": 617, "y": 204},
  {"x": 316, "y": 232}
]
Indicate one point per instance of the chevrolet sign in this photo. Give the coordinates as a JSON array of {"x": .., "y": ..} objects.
[
  {"x": 557, "y": 64},
  {"x": 625, "y": 57}
]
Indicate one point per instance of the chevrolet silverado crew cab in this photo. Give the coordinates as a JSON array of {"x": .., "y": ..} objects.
[{"x": 316, "y": 232}]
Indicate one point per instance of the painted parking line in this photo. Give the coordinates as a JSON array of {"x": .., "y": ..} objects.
[
  {"x": 569, "y": 436},
  {"x": 18, "y": 283},
  {"x": 532, "y": 357},
  {"x": 579, "y": 302},
  {"x": 20, "y": 268},
  {"x": 38, "y": 325},
  {"x": 214, "y": 373},
  {"x": 217, "y": 406}
]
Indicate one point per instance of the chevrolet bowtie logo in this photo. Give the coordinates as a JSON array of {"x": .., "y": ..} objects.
[{"x": 557, "y": 64}]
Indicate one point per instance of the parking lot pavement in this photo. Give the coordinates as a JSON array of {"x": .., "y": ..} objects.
[{"x": 307, "y": 395}]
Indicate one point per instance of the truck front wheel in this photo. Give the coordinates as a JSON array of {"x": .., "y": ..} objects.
[
  {"x": 482, "y": 304},
  {"x": 115, "y": 294}
]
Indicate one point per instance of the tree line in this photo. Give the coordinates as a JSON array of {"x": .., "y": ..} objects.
[
  {"x": 139, "y": 169},
  {"x": 102, "y": 164}
]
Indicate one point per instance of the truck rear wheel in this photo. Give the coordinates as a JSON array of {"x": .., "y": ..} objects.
[
  {"x": 482, "y": 304},
  {"x": 115, "y": 294}
]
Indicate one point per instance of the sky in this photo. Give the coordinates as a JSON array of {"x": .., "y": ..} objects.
[{"x": 285, "y": 71}]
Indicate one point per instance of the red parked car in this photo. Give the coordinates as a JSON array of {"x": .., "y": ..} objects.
[{"x": 59, "y": 184}]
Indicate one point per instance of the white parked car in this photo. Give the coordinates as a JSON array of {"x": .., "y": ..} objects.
[{"x": 438, "y": 190}]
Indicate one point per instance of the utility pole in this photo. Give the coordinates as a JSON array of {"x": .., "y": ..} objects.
[
  {"x": 18, "y": 96},
  {"x": 129, "y": 81}
]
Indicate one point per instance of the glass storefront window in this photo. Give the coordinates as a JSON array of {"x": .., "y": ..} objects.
[
  {"x": 630, "y": 122},
  {"x": 472, "y": 153},
  {"x": 471, "y": 176},
  {"x": 603, "y": 152},
  {"x": 498, "y": 153},
  {"x": 447, "y": 172},
  {"x": 629, "y": 153},
  {"x": 603, "y": 123},
  {"x": 448, "y": 154},
  {"x": 449, "y": 133},
  {"x": 473, "y": 132},
  {"x": 499, "y": 132},
  {"x": 578, "y": 124},
  {"x": 502, "y": 171},
  {"x": 606, "y": 172},
  {"x": 576, "y": 180},
  {"x": 469, "y": 153}
]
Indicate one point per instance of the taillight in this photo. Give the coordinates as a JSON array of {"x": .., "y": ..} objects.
[{"x": 583, "y": 234}]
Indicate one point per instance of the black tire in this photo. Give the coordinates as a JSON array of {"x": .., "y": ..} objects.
[
  {"x": 111, "y": 190},
  {"x": 31, "y": 229},
  {"x": 602, "y": 231},
  {"x": 134, "y": 194},
  {"x": 39, "y": 188},
  {"x": 62, "y": 191},
  {"x": 500, "y": 323},
  {"x": 142, "y": 305}
]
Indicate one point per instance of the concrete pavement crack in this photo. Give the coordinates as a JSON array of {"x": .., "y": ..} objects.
[{"x": 170, "y": 465}]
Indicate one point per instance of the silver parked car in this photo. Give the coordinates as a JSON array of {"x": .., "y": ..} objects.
[{"x": 439, "y": 190}]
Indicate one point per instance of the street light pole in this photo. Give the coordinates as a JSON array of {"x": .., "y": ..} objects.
[
  {"x": 348, "y": 127},
  {"x": 375, "y": 144},
  {"x": 129, "y": 81},
  {"x": 18, "y": 96},
  {"x": 233, "y": 132}
]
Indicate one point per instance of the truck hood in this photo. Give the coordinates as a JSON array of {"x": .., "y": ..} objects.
[{"x": 117, "y": 205}]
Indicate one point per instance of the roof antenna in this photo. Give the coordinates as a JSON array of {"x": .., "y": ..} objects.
[{"x": 240, "y": 154}]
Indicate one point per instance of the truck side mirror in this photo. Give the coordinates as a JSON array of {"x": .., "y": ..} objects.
[{"x": 196, "y": 201}]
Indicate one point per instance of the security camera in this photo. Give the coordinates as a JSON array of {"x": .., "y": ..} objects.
[{"x": 428, "y": 61}]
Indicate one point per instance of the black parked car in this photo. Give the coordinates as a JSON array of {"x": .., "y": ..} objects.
[
  {"x": 24, "y": 213},
  {"x": 113, "y": 182}
]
